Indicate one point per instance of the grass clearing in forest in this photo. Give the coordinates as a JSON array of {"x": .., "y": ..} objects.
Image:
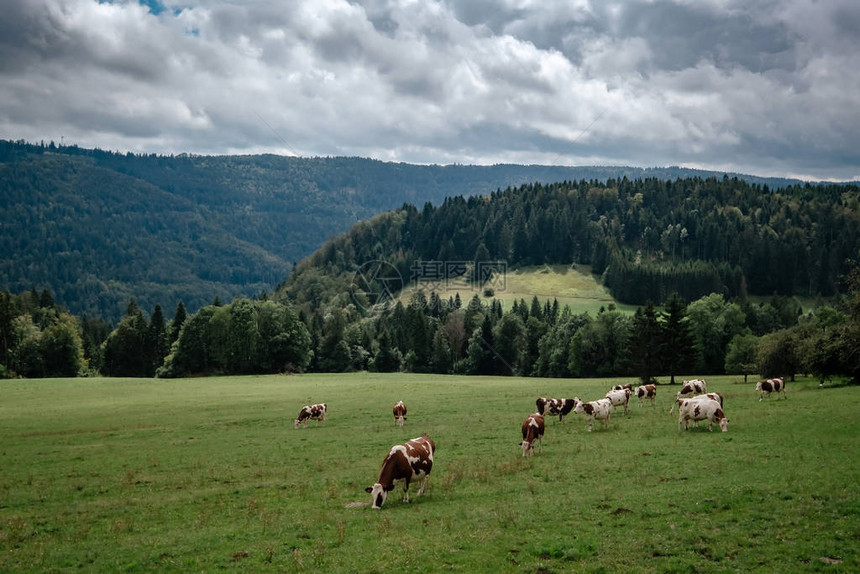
[
  {"x": 209, "y": 474},
  {"x": 571, "y": 285}
]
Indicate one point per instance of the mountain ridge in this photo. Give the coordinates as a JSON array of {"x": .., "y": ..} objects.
[{"x": 98, "y": 227}]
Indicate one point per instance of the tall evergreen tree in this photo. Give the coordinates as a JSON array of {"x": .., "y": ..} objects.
[
  {"x": 510, "y": 345},
  {"x": 125, "y": 349},
  {"x": 675, "y": 338},
  {"x": 441, "y": 359},
  {"x": 645, "y": 351},
  {"x": 386, "y": 359},
  {"x": 158, "y": 339},
  {"x": 480, "y": 355}
]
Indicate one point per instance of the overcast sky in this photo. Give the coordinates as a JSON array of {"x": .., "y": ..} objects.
[{"x": 766, "y": 87}]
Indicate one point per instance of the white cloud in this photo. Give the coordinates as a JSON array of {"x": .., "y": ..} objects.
[{"x": 768, "y": 88}]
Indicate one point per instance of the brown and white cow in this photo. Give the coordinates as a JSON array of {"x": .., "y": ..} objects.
[
  {"x": 399, "y": 411},
  {"x": 545, "y": 403},
  {"x": 702, "y": 409},
  {"x": 600, "y": 409},
  {"x": 713, "y": 396},
  {"x": 769, "y": 386},
  {"x": 532, "y": 431},
  {"x": 619, "y": 398},
  {"x": 562, "y": 408},
  {"x": 555, "y": 407},
  {"x": 315, "y": 412},
  {"x": 689, "y": 389},
  {"x": 706, "y": 397},
  {"x": 622, "y": 387},
  {"x": 405, "y": 462},
  {"x": 646, "y": 392}
]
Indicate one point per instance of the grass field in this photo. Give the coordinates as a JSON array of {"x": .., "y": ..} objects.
[
  {"x": 113, "y": 475},
  {"x": 571, "y": 285}
]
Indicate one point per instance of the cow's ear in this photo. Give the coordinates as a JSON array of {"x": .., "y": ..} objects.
[{"x": 369, "y": 489}]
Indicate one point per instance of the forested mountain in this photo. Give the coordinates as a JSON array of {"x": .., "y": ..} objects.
[
  {"x": 647, "y": 237},
  {"x": 97, "y": 228},
  {"x": 696, "y": 246}
]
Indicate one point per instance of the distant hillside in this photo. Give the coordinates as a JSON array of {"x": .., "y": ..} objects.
[
  {"x": 97, "y": 228},
  {"x": 646, "y": 238}
]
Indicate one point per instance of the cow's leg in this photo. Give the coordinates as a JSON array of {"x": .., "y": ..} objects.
[
  {"x": 422, "y": 485},
  {"x": 406, "y": 490}
]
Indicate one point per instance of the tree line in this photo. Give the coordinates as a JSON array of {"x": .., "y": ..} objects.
[
  {"x": 697, "y": 246},
  {"x": 711, "y": 335}
]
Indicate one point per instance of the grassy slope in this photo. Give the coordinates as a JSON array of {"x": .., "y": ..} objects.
[
  {"x": 574, "y": 286},
  {"x": 208, "y": 474}
]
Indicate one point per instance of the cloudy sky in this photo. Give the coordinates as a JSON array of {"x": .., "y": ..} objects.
[{"x": 770, "y": 87}]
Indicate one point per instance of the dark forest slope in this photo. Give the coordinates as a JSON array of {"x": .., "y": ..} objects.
[
  {"x": 647, "y": 237},
  {"x": 97, "y": 228}
]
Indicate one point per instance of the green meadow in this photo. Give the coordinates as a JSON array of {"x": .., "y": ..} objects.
[
  {"x": 571, "y": 285},
  {"x": 145, "y": 475}
]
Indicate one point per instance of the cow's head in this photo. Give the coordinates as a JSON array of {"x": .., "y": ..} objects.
[
  {"x": 724, "y": 424},
  {"x": 528, "y": 448},
  {"x": 378, "y": 494}
]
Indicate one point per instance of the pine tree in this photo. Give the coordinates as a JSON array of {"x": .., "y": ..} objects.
[
  {"x": 645, "y": 348},
  {"x": 480, "y": 356},
  {"x": 158, "y": 341},
  {"x": 386, "y": 359},
  {"x": 676, "y": 339}
]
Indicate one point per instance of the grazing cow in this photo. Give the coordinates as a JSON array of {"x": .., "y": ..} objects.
[
  {"x": 315, "y": 412},
  {"x": 408, "y": 461},
  {"x": 532, "y": 431},
  {"x": 713, "y": 396},
  {"x": 622, "y": 387},
  {"x": 646, "y": 392},
  {"x": 562, "y": 408},
  {"x": 619, "y": 398},
  {"x": 689, "y": 389},
  {"x": 546, "y": 405},
  {"x": 553, "y": 407},
  {"x": 707, "y": 397},
  {"x": 702, "y": 409},
  {"x": 600, "y": 409},
  {"x": 769, "y": 386},
  {"x": 399, "y": 411},
  {"x": 541, "y": 404}
]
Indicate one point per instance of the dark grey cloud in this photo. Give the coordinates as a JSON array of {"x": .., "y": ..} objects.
[{"x": 765, "y": 87}]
